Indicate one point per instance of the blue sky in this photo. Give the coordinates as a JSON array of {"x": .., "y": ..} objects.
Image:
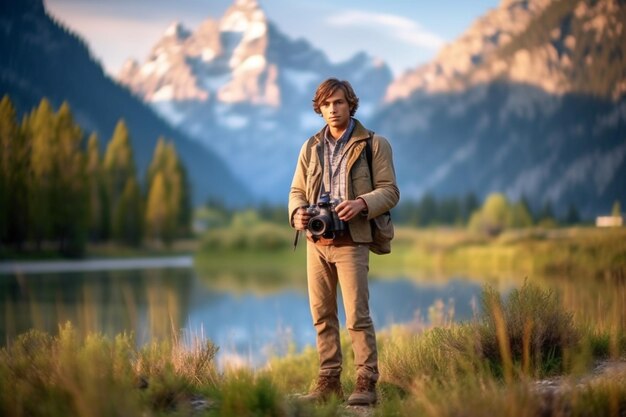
[{"x": 404, "y": 33}]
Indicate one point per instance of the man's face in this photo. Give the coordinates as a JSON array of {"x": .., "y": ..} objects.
[{"x": 336, "y": 110}]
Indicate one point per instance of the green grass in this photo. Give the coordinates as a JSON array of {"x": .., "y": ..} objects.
[
  {"x": 437, "y": 252},
  {"x": 482, "y": 367}
]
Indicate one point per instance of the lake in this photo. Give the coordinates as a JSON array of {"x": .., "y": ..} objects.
[{"x": 248, "y": 322}]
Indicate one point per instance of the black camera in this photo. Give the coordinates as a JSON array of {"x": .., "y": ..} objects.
[{"x": 325, "y": 221}]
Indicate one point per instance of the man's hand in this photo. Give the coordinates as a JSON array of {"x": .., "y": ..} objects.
[
  {"x": 301, "y": 219},
  {"x": 350, "y": 208}
]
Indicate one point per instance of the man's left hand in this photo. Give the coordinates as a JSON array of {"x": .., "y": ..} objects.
[{"x": 346, "y": 210}]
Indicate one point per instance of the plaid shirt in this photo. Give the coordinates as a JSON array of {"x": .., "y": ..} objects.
[{"x": 335, "y": 175}]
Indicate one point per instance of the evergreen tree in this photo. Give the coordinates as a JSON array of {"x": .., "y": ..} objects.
[
  {"x": 119, "y": 176},
  {"x": 40, "y": 130},
  {"x": 159, "y": 161},
  {"x": 185, "y": 213},
  {"x": 159, "y": 220},
  {"x": 546, "y": 215},
  {"x": 572, "y": 217},
  {"x": 13, "y": 178},
  {"x": 470, "y": 205},
  {"x": 180, "y": 193},
  {"x": 176, "y": 196},
  {"x": 99, "y": 219},
  {"x": 128, "y": 215},
  {"x": 617, "y": 209},
  {"x": 119, "y": 163},
  {"x": 449, "y": 211},
  {"x": 524, "y": 202},
  {"x": 69, "y": 189},
  {"x": 427, "y": 210}
]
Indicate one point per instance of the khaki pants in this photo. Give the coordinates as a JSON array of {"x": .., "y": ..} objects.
[{"x": 347, "y": 266}]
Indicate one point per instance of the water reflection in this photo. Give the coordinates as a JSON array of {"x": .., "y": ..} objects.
[
  {"x": 149, "y": 302},
  {"x": 251, "y": 317},
  {"x": 247, "y": 325}
]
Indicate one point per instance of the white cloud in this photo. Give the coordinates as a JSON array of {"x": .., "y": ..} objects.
[{"x": 398, "y": 27}]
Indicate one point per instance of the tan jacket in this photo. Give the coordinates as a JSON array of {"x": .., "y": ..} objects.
[{"x": 307, "y": 179}]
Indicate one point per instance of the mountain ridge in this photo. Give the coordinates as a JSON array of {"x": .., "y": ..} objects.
[
  {"x": 43, "y": 58},
  {"x": 243, "y": 89},
  {"x": 551, "y": 44},
  {"x": 534, "y": 118}
]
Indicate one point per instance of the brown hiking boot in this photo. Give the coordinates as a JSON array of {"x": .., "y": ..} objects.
[
  {"x": 326, "y": 387},
  {"x": 364, "y": 392}
]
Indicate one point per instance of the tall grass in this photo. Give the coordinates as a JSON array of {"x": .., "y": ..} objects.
[
  {"x": 68, "y": 375},
  {"x": 482, "y": 367}
]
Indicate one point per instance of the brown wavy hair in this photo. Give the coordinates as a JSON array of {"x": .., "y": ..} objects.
[{"x": 328, "y": 87}]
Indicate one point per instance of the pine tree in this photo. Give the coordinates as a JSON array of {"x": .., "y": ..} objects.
[
  {"x": 120, "y": 178},
  {"x": 616, "y": 211},
  {"x": 119, "y": 163},
  {"x": 69, "y": 192},
  {"x": 98, "y": 209},
  {"x": 159, "y": 220},
  {"x": 175, "y": 194},
  {"x": 41, "y": 132},
  {"x": 158, "y": 162},
  {"x": 13, "y": 171},
  {"x": 572, "y": 217},
  {"x": 128, "y": 215}
]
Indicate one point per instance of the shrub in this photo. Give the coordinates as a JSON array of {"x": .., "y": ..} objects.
[{"x": 529, "y": 327}]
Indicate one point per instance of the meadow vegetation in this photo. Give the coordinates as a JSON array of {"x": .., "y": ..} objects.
[{"x": 488, "y": 365}]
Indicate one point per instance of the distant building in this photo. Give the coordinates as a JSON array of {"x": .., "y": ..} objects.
[{"x": 609, "y": 221}]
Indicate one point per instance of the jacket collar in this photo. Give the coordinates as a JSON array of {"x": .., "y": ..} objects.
[{"x": 359, "y": 133}]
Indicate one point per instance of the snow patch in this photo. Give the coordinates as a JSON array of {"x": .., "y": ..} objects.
[
  {"x": 164, "y": 93},
  {"x": 252, "y": 63},
  {"x": 235, "y": 22},
  {"x": 158, "y": 66},
  {"x": 148, "y": 68},
  {"x": 208, "y": 54},
  {"x": 255, "y": 30}
]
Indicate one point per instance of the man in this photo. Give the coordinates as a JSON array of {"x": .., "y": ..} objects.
[{"x": 335, "y": 161}]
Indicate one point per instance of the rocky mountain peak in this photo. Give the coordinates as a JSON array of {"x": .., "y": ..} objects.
[
  {"x": 243, "y": 88},
  {"x": 177, "y": 30},
  {"x": 242, "y": 16},
  {"x": 449, "y": 70},
  {"x": 544, "y": 43}
]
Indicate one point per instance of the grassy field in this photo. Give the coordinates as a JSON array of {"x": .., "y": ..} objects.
[
  {"x": 488, "y": 366},
  {"x": 535, "y": 350},
  {"x": 439, "y": 252},
  {"x": 590, "y": 252}
]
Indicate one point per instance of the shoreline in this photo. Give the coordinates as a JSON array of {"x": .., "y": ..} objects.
[{"x": 87, "y": 265}]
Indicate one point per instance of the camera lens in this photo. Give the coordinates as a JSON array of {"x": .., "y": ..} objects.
[{"x": 317, "y": 226}]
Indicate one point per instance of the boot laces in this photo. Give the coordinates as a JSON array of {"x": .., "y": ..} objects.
[{"x": 364, "y": 384}]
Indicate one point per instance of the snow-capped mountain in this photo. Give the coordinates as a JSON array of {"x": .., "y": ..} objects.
[
  {"x": 530, "y": 101},
  {"x": 244, "y": 89}
]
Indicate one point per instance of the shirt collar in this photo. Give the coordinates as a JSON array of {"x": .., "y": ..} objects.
[{"x": 344, "y": 138}]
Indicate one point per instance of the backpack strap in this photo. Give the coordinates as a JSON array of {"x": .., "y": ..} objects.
[{"x": 368, "y": 155}]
